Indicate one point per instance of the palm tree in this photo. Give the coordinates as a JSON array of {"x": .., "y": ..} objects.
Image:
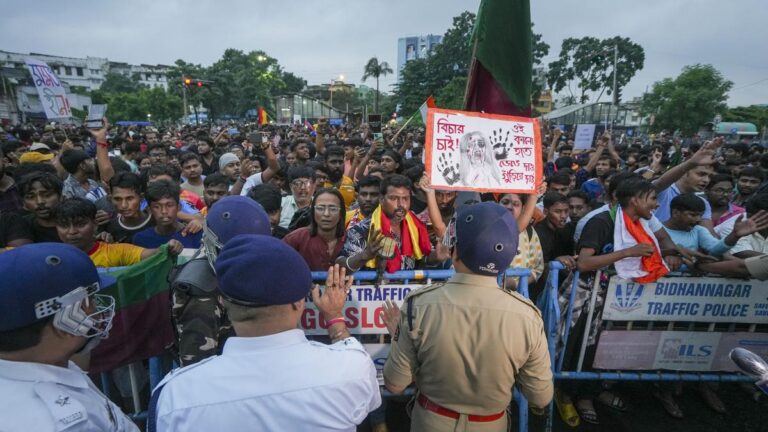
[{"x": 374, "y": 69}]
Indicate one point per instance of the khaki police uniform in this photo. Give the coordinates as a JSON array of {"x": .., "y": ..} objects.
[{"x": 469, "y": 344}]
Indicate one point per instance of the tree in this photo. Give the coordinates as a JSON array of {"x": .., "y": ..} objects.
[
  {"x": 452, "y": 95},
  {"x": 688, "y": 101},
  {"x": 540, "y": 48},
  {"x": 587, "y": 63},
  {"x": 375, "y": 69},
  {"x": 758, "y": 115},
  {"x": 293, "y": 83}
]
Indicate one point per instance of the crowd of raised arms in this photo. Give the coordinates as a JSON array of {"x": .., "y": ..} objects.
[{"x": 346, "y": 198}]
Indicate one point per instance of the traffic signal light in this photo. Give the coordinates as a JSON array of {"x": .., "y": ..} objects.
[
  {"x": 199, "y": 83},
  {"x": 187, "y": 81}
]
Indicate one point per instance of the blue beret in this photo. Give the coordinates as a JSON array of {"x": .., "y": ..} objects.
[
  {"x": 233, "y": 215},
  {"x": 36, "y": 275},
  {"x": 260, "y": 270},
  {"x": 486, "y": 237}
]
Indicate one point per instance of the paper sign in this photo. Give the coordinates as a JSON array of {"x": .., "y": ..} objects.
[
  {"x": 688, "y": 299},
  {"x": 362, "y": 311},
  {"x": 585, "y": 136},
  {"x": 49, "y": 89},
  {"x": 482, "y": 152},
  {"x": 674, "y": 350}
]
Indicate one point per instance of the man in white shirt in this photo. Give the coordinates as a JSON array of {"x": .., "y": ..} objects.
[
  {"x": 270, "y": 377},
  {"x": 49, "y": 311}
]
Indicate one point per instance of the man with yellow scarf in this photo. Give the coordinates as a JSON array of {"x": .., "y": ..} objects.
[{"x": 392, "y": 233}]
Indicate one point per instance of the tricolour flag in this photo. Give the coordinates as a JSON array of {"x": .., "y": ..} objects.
[
  {"x": 308, "y": 125},
  {"x": 502, "y": 59},
  {"x": 429, "y": 103},
  {"x": 142, "y": 325},
  {"x": 262, "y": 115}
]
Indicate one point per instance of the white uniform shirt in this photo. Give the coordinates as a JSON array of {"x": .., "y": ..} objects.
[
  {"x": 41, "y": 398},
  {"x": 280, "y": 382}
]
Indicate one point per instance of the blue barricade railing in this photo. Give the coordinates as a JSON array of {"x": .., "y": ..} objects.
[
  {"x": 156, "y": 372},
  {"x": 550, "y": 308}
]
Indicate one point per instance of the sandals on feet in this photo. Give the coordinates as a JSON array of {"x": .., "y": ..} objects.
[
  {"x": 611, "y": 401},
  {"x": 567, "y": 411},
  {"x": 669, "y": 404},
  {"x": 587, "y": 411}
]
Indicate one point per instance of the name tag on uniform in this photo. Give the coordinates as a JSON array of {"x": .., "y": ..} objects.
[{"x": 65, "y": 409}]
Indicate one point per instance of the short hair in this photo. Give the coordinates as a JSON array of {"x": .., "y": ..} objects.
[
  {"x": 753, "y": 172},
  {"x": 719, "y": 178},
  {"x": 756, "y": 203},
  {"x": 298, "y": 141},
  {"x": 127, "y": 180},
  {"x": 119, "y": 165},
  {"x": 396, "y": 181},
  {"x": 634, "y": 186},
  {"x": 161, "y": 169},
  {"x": 188, "y": 156},
  {"x": 334, "y": 151},
  {"x": 368, "y": 181},
  {"x": 618, "y": 179},
  {"x": 47, "y": 180},
  {"x": 560, "y": 179},
  {"x": 215, "y": 179},
  {"x": 552, "y": 198},
  {"x": 563, "y": 162},
  {"x": 29, "y": 168},
  {"x": 565, "y": 147},
  {"x": 268, "y": 196},
  {"x": 578, "y": 194},
  {"x": 159, "y": 145},
  {"x": 74, "y": 210},
  {"x": 353, "y": 142},
  {"x": 132, "y": 147},
  {"x": 71, "y": 159},
  {"x": 688, "y": 202},
  {"x": 23, "y": 337},
  {"x": 162, "y": 189},
  {"x": 340, "y": 225},
  {"x": 300, "y": 172}
]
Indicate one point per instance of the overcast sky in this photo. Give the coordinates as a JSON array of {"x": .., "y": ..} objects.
[{"x": 321, "y": 39}]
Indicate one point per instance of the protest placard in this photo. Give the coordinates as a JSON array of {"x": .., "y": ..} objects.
[
  {"x": 362, "y": 311},
  {"x": 585, "y": 136},
  {"x": 482, "y": 152},
  {"x": 49, "y": 89}
]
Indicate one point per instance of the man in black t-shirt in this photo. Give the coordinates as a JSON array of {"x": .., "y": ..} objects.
[
  {"x": 41, "y": 193},
  {"x": 14, "y": 232}
]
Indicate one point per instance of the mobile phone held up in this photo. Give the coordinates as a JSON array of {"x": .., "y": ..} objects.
[{"x": 96, "y": 114}]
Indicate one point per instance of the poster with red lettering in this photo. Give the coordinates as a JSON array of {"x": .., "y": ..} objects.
[{"x": 482, "y": 152}]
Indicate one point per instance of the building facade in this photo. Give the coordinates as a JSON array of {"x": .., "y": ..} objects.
[{"x": 415, "y": 47}]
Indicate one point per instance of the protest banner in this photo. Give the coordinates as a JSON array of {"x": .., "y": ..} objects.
[
  {"x": 674, "y": 350},
  {"x": 362, "y": 311},
  {"x": 585, "y": 136},
  {"x": 706, "y": 299},
  {"x": 49, "y": 89},
  {"x": 482, "y": 152}
]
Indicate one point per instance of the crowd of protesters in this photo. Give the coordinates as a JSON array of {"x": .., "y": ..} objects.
[{"x": 347, "y": 196}]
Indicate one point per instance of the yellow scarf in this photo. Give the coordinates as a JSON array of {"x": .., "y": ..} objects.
[{"x": 380, "y": 222}]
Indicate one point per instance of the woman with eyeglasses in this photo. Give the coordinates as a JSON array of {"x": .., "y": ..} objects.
[{"x": 320, "y": 243}]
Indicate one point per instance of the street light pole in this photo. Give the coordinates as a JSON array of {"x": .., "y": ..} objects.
[{"x": 615, "y": 95}]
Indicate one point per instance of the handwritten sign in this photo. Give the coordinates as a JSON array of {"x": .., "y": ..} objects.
[
  {"x": 482, "y": 152},
  {"x": 362, "y": 312},
  {"x": 585, "y": 135},
  {"x": 49, "y": 88}
]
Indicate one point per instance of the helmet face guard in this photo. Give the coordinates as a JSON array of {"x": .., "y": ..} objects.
[
  {"x": 212, "y": 246},
  {"x": 71, "y": 314}
]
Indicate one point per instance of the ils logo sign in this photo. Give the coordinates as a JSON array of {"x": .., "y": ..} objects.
[
  {"x": 678, "y": 349},
  {"x": 627, "y": 297}
]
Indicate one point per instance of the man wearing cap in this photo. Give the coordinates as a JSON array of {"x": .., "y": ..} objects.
[
  {"x": 201, "y": 322},
  {"x": 494, "y": 337},
  {"x": 38, "y": 152},
  {"x": 270, "y": 377},
  {"x": 46, "y": 316}
]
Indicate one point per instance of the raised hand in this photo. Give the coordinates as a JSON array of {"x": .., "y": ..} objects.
[
  {"x": 449, "y": 168},
  {"x": 499, "y": 142},
  {"x": 390, "y": 313},
  {"x": 337, "y": 285},
  {"x": 757, "y": 222}
]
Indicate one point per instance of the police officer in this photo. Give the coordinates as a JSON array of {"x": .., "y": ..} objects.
[
  {"x": 200, "y": 321},
  {"x": 49, "y": 310},
  {"x": 466, "y": 342},
  {"x": 270, "y": 377}
]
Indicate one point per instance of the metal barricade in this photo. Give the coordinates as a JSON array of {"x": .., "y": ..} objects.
[
  {"x": 552, "y": 314},
  {"x": 157, "y": 372}
]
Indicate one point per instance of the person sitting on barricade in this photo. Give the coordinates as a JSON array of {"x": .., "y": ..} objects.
[{"x": 267, "y": 377}]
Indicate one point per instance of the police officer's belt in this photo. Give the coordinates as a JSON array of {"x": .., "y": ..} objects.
[{"x": 437, "y": 409}]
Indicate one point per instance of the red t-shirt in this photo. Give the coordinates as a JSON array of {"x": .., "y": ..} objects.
[{"x": 313, "y": 249}]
